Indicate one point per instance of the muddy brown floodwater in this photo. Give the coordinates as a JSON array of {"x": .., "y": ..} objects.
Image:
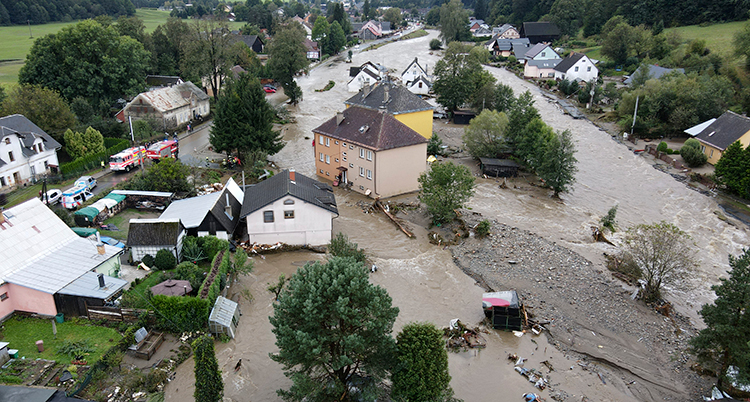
[{"x": 423, "y": 279}]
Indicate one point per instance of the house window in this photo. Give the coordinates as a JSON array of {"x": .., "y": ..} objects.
[
  {"x": 337, "y": 159},
  {"x": 320, "y": 139},
  {"x": 588, "y": 68},
  {"x": 351, "y": 146},
  {"x": 321, "y": 157},
  {"x": 344, "y": 153},
  {"x": 288, "y": 214},
  {"x": 10, "y": 155},
  {"x": 361, "y": 153},
  {"x": 362, "y": 171},
  {"x": 321, "y": 171},
  {"x": 328, "y": 142},
  {"x": 351, "y": 165},
  {"x": 544, "y": 54},
  {"x": 336, "y": 142},
  {"x": 576, "y": 68},
  {"x": 4, "y": 296},
  {"x": 268, "y": 216},
  {"x": 343, "y": 144},
  {"x": 46, "y": 165},
  {"x": 420, "y": 84},
  {"x": 328, "y": 174},
  {"x": 369, "y": 155},
  {"x": 328, "y": 159},
  {"x": 369, "y": 174},
  {"x": 712, "y": 154},
  {"x": 289, "y": 202}
]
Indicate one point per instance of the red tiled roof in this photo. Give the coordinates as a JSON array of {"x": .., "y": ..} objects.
[{"x": 372, "y": 129}]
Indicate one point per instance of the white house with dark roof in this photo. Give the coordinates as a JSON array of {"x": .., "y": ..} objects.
[
  {"x": 148, "y": 236},
  {"x": 364, "y": 75},
  {"x": 576, "y": 67},
  {"x": 174, "y": 106},
  {"x": 289, "y": 208},
  {"x": 506, "y": 31},
  {"x": 45, "y": 268},
  {"x": 216, "y": 214},
  {"x": 416, "y": 79},
  {"x": 26, "y": 151}
]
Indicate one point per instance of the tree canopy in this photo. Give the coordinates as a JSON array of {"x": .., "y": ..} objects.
[
  {"x": 88, "y": 60},
  {"x": 733, "y": 170},
  {"x": 445, "y": 188},
  {"x": 43, "y": 106},
  {"x": 208, "y": 52},
  {"x": 460, "y": 75},
  {"x": 333, "y": 329},
  {"x": 454, "y": 22},
  {"x": 286, "y": 52},
  {"x": 485, "y": 136},
  {"x": 422, "y": 371},
  {"x": 167, "y": 175},
  {"x": 243, "y": 119},
  {"x": 81, "y": 144},
  {"x": 209, "y": 386},
  {"x": 726, "y": 339},
  {"x": 558, "y": 166}
]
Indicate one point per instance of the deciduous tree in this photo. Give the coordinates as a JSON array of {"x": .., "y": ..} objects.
[
  {"x": 243, "y": 119},
  {"x": 209, "y": 386},
  {"x": 44, "y": 107},
  {"x": 485, "y": 136},
  {"x": 393, "y": 15},
  {"x": 422, "y": 371},
  {"x": 663, "y": 253},
  {"x": 726, "y": 339},
  {"x": 333, "y": 329},
  {"x": 321, "y": 33},
  {"x": 445, "y": 188},
  {"x": 454, "y": 22},
  {"x": 691, "y": 153},
  {"x": 338, "y": 38},
  {"x": 558, "y": 167},
  {"x": 208, "y": 52},
  {"x": 87, "y": 60},
  {"x": 81, "y": 144},
  {"x": 286, "y": 52},
  {"x": 459, "y": 76}
]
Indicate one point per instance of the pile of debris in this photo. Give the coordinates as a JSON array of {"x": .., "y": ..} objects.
[
  {"x": 460, "y": 337},
  {"x": 256, "y": 248},
  {"x": 532, "y": 375},
  {"x": 209, "y": 188}
]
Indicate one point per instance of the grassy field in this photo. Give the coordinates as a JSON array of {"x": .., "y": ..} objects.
[
  {"x": 15, "y": 42},
  {"x": 22, "y": 333},
  {"x": 122, "y": 220},
  {"x": 718, "y": 37}
]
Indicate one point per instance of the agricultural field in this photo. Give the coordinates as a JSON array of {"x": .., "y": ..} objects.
[
  {"x": 718, "y": 37},
  {"x": 16, "y": 41}
]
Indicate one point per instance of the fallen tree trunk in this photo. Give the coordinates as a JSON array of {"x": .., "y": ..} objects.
[{"x": 395, "y": 220}]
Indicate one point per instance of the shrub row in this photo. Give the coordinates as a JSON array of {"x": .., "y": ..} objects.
[
  {"x": 88, "y": 162},
  {"x": 216, "y": 279},
  {"x": 181, "y": 314}
]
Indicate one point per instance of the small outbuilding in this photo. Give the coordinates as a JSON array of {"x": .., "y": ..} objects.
[
  {"x": 463, "y": 116},
  {"x": 148, "y": 236},
  {"x": 499, "y": 167},
  {"x": 224, "y": 318},
  {"x": 504, "y": 309}
]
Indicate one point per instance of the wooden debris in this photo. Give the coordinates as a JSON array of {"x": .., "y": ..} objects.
[
  {"x": 379, "y": 205},
  {"x": 599, "y": 236},
  {"x": 460, "y": 337}
]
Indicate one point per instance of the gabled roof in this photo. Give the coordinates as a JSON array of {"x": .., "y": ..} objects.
[
  {"x": 311, "y": 46},
  {"x": 536, "y": 49},
  {"x": 281, "y": 185},
  {"x": 654, "y": 72},
  {"x": 501, "y": 29},
  {"x": 550, "y": 63},
  {"x": 174, "y": 97},
  {"x": 192, "y": 211},
  {"x": 543, "y": 28},
  {"x": 40, "y": 252},
  {"x": 26, "y": 130},
  {"x": 696, "y": 129},
  {"x": 419, "y": 78},
  {"x": 727, "y": 129},
  {"x": 154, "y": 232},
  {"x": 568, "y": 62},
  {"x": 396, "y": 99},
  {"x": 371, "y": 129},
  {"x": 509, "y": 44},
  {"x": 250, "y": 40},
  {"x": 414, "y": 62}
]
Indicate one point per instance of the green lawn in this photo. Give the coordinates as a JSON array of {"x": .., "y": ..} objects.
[
  {"x": 718, "y": 37},
  {"x": 122, "y": 221},
  {"x": 22, "y": 333}
]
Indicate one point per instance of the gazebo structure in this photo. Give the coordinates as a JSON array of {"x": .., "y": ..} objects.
[
  {"x": 224, "y": 317},
  {"x": 172, "y": 287}
]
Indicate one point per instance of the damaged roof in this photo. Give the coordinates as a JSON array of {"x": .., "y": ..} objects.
[{"x": 170, "y": 98}]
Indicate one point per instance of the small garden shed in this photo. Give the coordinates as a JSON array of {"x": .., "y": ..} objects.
[
  {"x": 499, "y": 167},
  {"x": 504, "y": 309},
  {"x": 224, "y": 317}
]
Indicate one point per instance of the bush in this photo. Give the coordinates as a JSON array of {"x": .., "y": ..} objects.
[
  {"x": 216, "y": 279},
  {"x": 341, "y": 247},
  {"x": 93, "y": 161},
  {"x": 512, "y": 60},
  {"x": 187, "y": 271},
  {"x": 435, "y": 145},
  {"x": 691, "y": 153},
  {"x": 551, "y": 83},
  {"x": 164, "y": 260},
  {"x": 436, "y": 44},
  {"x": 212, "y": 245},
  {"x": 483, "y": 228},
  {"x": 662, "y": 147},
  {"x": 148, "y": 259},
  {"x": 192, "y": 251},
  {"x": 178, "y": 314}
]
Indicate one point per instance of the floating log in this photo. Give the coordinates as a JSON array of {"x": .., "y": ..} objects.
[
  {"x": 599, "y": 236},
  {"x": 380, "y": 206}
]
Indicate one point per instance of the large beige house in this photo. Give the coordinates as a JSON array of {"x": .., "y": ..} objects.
[
  {"x": 370, "y": 151},
  {"x": 174, "y": 106}
]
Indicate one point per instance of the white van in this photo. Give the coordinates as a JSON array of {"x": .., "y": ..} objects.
[
  {"x": 74, "y": 197},
  {"x": 88, "y": 181}
]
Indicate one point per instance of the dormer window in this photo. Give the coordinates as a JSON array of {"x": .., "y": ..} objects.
[{"x": 7, "y": 140}]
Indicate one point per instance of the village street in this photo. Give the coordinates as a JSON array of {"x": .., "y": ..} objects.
[{"x": 427, "y": 285}]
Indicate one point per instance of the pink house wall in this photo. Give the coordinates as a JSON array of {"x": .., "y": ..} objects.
[{"x": 21, "y": 298}]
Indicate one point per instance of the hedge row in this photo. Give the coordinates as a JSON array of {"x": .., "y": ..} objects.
[
  {"x": 93, "y": 161},
  {"x": 211, "y": 288},
  {"x": 181, "y": 314}
]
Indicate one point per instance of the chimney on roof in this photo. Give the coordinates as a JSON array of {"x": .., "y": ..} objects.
[
  {"x": 101, "y": 280},
  {"x": 339, "y": 118},
  {"x": 292, "y": 176}
]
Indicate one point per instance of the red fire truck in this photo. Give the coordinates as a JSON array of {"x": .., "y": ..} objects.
[
  {"x": 127, "y": 159},
  {"x": 162, "y": 149}
]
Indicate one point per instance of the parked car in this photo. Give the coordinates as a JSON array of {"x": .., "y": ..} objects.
[
  {"x": 112, "y": 242},
  {"x": 270, "y": 86},
  {"x": 269, "y": 90},
  {"x": 53, "y": 196},
  {"x": 87, "y": 181}
]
